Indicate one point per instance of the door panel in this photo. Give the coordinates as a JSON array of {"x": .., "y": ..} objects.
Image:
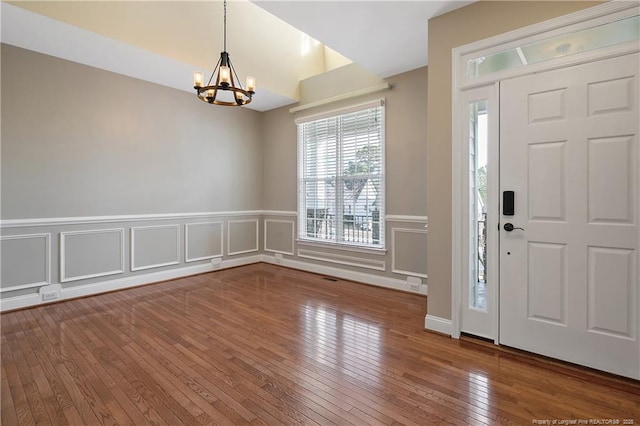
[{"x": 569, "y": 151}]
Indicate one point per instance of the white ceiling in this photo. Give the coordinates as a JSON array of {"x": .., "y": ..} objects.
[{"x": 384, "y": 37}]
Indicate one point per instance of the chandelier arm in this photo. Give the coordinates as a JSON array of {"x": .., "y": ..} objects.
[
  {"x": 234, "y": 88},
  {"x": 233, "y": 71},
  {"x": 217, "y": 86},
  {"x": 232, "y": 82},
  {"x": 214, "y": 72}
]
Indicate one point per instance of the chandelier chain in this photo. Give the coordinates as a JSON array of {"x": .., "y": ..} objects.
[{"x": 225, "y": 27}]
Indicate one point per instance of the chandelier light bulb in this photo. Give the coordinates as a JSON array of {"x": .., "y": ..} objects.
[
  {"x": 198, "y": 79},
  {"x": 225, "y": 75},
  {"x": 251, "y": 84}
]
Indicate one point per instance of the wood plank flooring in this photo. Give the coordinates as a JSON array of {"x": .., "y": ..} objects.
[{"x": 266, "y": 345}]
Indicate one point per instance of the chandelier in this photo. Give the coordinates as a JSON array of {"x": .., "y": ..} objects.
[{"x": 226, "y": 88}]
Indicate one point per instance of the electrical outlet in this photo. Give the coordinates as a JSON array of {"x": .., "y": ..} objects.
[
  {"x": 53, "y": 295},
  {"x": 50, "y": 292},
  {"x": 414, "y": 283},
  {"x": 279, "y": 258},
  {"x": 216, "y": 262}
]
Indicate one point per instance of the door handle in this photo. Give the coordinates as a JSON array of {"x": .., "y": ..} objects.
[{"x": 509, "y": 227}]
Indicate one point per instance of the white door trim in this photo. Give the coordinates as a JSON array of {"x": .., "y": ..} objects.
[{"x": 604, "y": 13}]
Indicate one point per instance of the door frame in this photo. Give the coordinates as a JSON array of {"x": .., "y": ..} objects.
[{"x": 460, "y": 234}]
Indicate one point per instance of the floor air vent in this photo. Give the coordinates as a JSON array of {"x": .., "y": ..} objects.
[{"x": 329, "y": 279}]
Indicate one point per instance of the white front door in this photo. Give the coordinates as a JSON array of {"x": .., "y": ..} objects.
[{"x": 569, "y": 279}]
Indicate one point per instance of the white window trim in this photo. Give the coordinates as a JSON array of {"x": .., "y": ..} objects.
[
  {"x": 302, "y": 218},
  {"x": 340, "y": 111}
]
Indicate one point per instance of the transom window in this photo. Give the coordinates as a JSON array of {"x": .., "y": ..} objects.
[
  {"x": 624, "y": 30},
  {"x": 341, "y": 176}
]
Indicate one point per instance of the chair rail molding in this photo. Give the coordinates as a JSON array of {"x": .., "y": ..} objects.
[{"x": 81, "y": 220}]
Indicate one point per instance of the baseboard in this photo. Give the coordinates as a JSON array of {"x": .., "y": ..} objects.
[
  {"x": 123, "y": 283},
  {"x": 346, "y": 274},
  {"x": 438, "y": 324},
  {"x": 19, "y": 302}
]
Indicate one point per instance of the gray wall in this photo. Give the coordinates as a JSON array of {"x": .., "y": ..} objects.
[
  {"x": 108, "y": 181},
  {"x": 105, "y": 177},
  {"x": 79, "y": 141}
]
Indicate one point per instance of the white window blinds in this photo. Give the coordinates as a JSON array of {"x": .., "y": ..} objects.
[{"x": 341, "y": 176}]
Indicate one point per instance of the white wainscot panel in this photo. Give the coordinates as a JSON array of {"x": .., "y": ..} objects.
[
  {"x": 611, "y": 184},
  {"x": 242, "y": 236},
  {"x": 612, "y": 287},
  {"x": 547, "y": 281},
  {"x": 547, "y": 106},
  {"x": 279, "y": 236},
  {"x": 377, "y": 265},
  {"x": 91, "y": 254},
  {"x": 26, "y": 261},
  {"x": 547, "y": 194},
  {"x": 409, "y": 251},
  {"x": 155, "y": 246},
  {"x": 203, "y": 240}
]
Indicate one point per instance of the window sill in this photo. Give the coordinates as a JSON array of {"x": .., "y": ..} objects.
[{"x": 345, "y": 247}]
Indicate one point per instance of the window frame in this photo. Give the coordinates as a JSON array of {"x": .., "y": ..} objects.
[{"x": 338, "y": 239}]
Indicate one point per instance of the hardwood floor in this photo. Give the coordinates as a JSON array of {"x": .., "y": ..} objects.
[{"x": 267, "y": 345}]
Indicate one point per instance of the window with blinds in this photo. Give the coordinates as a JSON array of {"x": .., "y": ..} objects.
[{"x": 341, "y": 177}]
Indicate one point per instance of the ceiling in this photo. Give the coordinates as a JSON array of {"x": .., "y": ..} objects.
[
  {"x": 279, "y": 42},
  {"x": 385, "y": 37}
]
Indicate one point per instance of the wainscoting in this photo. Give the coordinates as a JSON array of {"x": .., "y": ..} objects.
[
  {"x": 205, "y": 241},
  {"x": 279, "y": 236},
  {"x": 71, "y": 257},
  {"x": 91, "y": 254},
  {"x": 26, "y": 261},
  {"x": 405, "y": 259},
  {"x": 282, "y": 247},
  {"x": 44, "y": 260},
  {"x": 155, "y": 246}
]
